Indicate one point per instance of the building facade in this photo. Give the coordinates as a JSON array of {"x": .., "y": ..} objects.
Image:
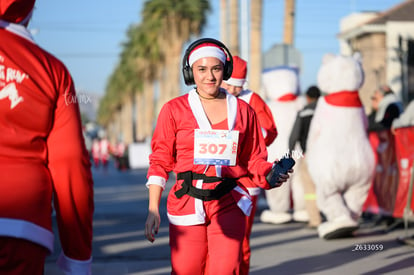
[{"x": 385, "y": 41}]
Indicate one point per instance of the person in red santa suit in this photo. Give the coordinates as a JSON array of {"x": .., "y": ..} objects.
[
  {"x": 42, "y": 155},
  {"x": 234, "y": 85},
  {"x": 105, "y": 151},
  {"x": 210, "y": 139},
  {"x": 96, "y": 152}
]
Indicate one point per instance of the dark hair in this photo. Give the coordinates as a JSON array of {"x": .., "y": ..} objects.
[
  {"x": 313, "y": 92},
  {"x": 188, "y": 72}
]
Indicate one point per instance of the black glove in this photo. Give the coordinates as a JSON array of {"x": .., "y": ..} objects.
[{"x": 279, "y": 167}]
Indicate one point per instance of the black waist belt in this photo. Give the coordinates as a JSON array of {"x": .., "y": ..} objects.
[{"x": 225, "y": 186}]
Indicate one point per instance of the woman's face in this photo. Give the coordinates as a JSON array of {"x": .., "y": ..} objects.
[{"x": 208, "y": 75}]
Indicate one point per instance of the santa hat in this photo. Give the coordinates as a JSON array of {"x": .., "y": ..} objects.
[
  {"x": 206, "y": 50},
  {"x": 238, "y": 77},
  {"x": 16, "y": 11}
]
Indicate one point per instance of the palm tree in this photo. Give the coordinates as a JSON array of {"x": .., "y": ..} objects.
[
  {"x": 255, "y": 69},
  {"x": 146, "y": 56},
  {"x": 151, "y": 55},
  {"x": 120, "y": 93},
  {"x": 234, "y": 45},
  {"x": 179, "y": 19},
  {"x": 110, "y": 103},
  {"x": 223, "y": 21}
]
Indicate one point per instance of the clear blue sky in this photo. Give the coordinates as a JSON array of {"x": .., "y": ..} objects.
[{"x": 87, "y": 35}]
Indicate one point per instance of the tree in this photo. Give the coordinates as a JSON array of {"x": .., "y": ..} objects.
[
  {"x": 151, "y": 55},
  {"x": 234, "y": 43},
  {"x": 148, "y": 58},
  {"x": 180, "y": 19}
]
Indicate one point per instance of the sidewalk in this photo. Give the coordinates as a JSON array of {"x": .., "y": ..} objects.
[{"x": 121, "y": 248}]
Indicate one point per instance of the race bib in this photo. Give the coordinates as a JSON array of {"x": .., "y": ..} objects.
[{"x": 215, "y": 147}]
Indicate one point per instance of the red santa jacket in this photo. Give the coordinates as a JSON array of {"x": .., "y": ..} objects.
[
  {"x": 173, "y": 150},
  {"x": 264, "y": 115},
  {"x": 42, "y": 150},
  {"x": 267, "y": 123}
]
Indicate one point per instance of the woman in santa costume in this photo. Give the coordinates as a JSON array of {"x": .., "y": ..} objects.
[
  {"x": 42, "y": 155},
  {"x": 234, "y": 85},
  {"x": 210, "y": 139}
]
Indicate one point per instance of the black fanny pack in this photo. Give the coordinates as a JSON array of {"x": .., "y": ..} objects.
[{"x": 225, "y": 186}]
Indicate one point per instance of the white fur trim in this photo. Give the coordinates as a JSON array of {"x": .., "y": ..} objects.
[
  {"x": 184, "y": 220},
  {"x": 246, "y": 95},
  {"x": 264, "y": 132},
  {"x": 28, "y": 231},
  {"x": 17, "y": 29},
  {"x": 232, "y": 110},
  {"x": 254, "y": 191},
  {"x": 74, "y": 267},
  {"x": 157, "y": 180},
  {"x": 245, "y": 203},
  {"x": 199, "y": 217},
  {"x": 206, "y": 51},
  {"x": 199, "y": 114},
  {"x": 238, "y": 82}
]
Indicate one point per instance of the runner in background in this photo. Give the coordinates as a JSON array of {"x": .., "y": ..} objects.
[{"x": 234, "y": 85}]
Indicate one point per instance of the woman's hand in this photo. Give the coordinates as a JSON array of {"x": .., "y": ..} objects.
[
  {"x": 280, "y": 172},
  {"x": 152, "y": 225},
  {"x": 284, "y": 177}
]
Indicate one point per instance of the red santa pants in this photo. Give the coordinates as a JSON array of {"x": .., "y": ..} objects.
[
  {"x": 245, "y": 264},
  {"x": 211, "y": 248},
  {"x": 18, "y": 257}
]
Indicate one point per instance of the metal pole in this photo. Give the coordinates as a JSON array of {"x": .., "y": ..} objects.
[{"x": 244, "y": 31}]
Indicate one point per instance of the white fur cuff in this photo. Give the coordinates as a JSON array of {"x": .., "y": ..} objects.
[{"x": 74, "y": 267}]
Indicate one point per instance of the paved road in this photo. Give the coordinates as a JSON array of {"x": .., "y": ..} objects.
[{"x": 119, "y": 245}]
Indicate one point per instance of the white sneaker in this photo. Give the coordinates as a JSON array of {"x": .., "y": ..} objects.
[
  {"x": 301, "y": 216},
  {"x": 268, "y": 216}
]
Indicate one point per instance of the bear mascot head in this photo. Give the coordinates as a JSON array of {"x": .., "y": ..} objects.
[{"x": 339, "y": 155}]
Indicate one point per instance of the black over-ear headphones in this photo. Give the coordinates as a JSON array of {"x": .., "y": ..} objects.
[{"x": 187, "y": 70}]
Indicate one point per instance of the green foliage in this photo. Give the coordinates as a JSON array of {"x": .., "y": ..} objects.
[{"x": 143, "y": 54}]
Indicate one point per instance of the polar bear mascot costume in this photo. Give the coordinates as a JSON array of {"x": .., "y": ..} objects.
[
  {"x": 340, "y": 157},
  {"x": 281, "y": 88}
]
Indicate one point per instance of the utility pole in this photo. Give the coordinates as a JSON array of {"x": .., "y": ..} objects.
[{"x": 244, "y": 47}]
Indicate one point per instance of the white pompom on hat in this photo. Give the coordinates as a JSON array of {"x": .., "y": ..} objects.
[
  {"x": 206, "y": 50},
  {"x": 16, "y": 11},
  {"x": 238, "y": 77}
]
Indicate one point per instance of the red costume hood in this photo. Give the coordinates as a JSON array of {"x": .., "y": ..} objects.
[{"x": 15, "y": 11}]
